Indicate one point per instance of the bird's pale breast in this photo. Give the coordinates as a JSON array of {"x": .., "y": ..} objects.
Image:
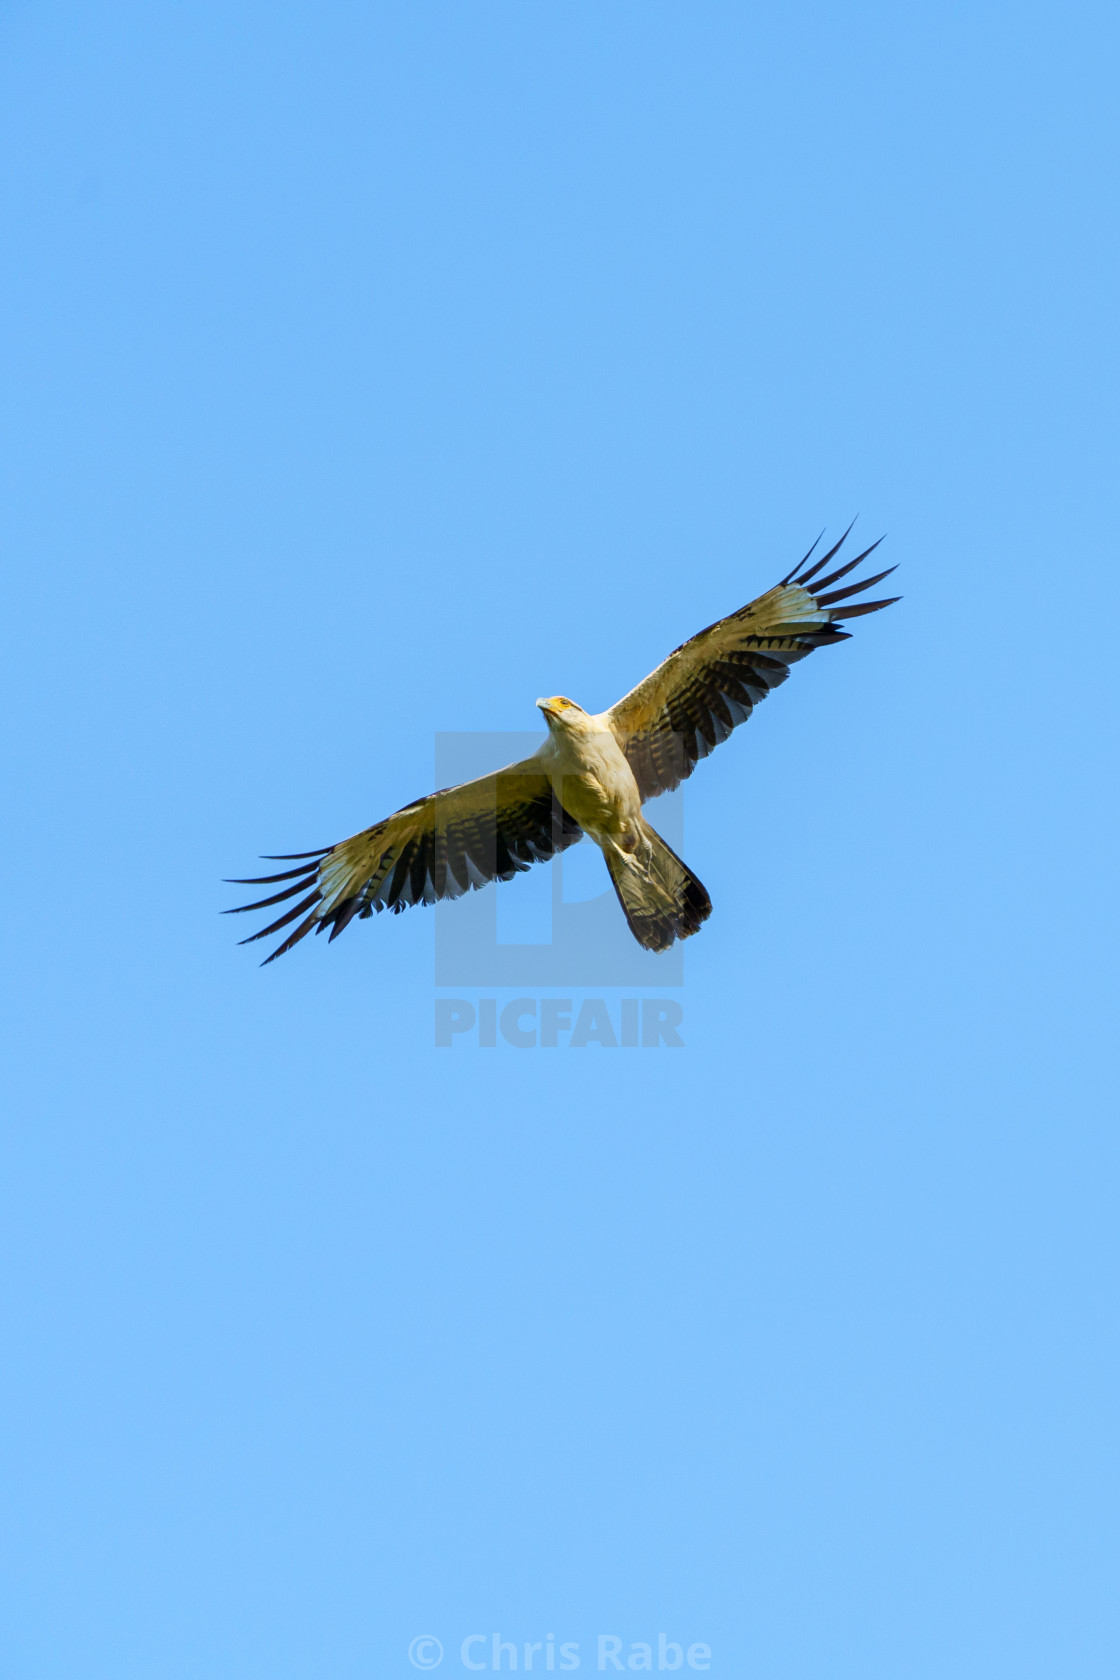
[{"x": 593, "y": 781}]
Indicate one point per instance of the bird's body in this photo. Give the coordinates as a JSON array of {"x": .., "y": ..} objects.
[
  {"x": 591, "y": 775},
  {"x": 593, "y": 783}
]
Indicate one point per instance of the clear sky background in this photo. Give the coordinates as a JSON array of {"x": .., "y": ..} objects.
[{"x": 371, "y": 369}]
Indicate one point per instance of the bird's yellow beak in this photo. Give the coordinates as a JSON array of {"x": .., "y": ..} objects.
[{"x": 547, "y": 706}]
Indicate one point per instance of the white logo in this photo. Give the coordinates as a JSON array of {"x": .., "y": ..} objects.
[{"x": 425, "y": 1651}]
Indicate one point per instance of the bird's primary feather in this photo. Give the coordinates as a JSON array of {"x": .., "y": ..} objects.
[
  {"x": 438, "y": 847},
  {"x": 712, "y": 683}
]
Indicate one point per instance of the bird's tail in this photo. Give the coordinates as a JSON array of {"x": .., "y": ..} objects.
[{"x": 661, "y": 899}]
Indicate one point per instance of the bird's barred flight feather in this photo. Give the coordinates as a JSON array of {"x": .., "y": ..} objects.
[
  {"x": 436, "y": 848},
  {"x": 712, "y": 683}
]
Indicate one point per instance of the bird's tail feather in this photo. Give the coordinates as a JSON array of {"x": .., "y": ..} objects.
[{"x": 660, "y": 897}]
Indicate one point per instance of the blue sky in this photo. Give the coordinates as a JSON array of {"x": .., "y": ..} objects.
[{"x": 370, "y": 370}]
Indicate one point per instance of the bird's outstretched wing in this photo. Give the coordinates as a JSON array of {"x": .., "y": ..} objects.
[
  {"x": 695, "y": 698},
  {"x": 438, "y": 847}
]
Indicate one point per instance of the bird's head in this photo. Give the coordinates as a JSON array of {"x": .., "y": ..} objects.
[{"x": 560, "y": 712}]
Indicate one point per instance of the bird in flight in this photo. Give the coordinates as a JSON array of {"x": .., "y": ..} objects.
[{"x": 591, "y": 775}]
